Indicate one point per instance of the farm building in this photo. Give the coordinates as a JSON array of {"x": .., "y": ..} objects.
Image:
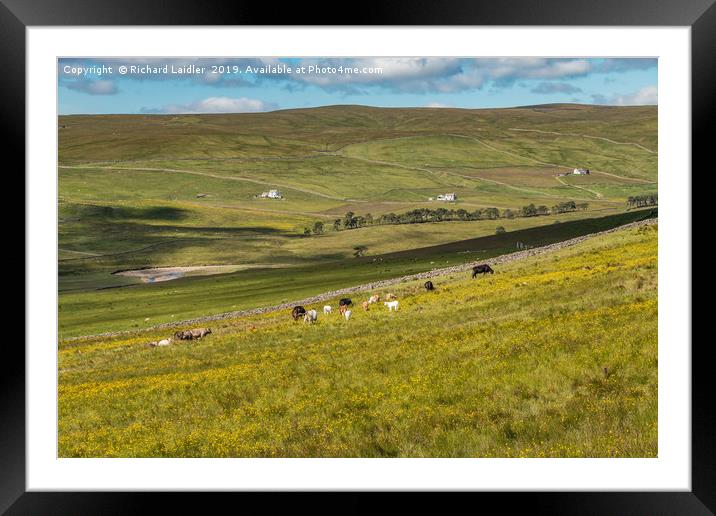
[
  {"x": 272, "y": 194},
  {"x": 447, "y": 197},
  {"x": 581, "y": 172}
]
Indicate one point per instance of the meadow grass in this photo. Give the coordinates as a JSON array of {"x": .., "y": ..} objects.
[
  {"x": 552, "y": 356},
  {"x": 312, "y": 270}
]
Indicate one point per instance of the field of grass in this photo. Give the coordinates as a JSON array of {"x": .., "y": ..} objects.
[
  {"x": 552, "y": 356},
  {"x": 312, "y": 270},
  {"x": 140, "y": 191}
]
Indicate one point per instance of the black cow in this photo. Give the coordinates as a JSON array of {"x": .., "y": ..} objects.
[
  {"x": 429, "y": 285},
  {"x": 482, "y": 269},
  {"x": 298, "y": 312},
  {"x": 343, "y": 304}
]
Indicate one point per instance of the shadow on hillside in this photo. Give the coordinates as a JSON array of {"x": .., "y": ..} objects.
[{"x": 97, "y": 213}]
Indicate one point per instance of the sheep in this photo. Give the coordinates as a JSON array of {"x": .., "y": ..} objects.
[
  {"x": 365, "y": 305},
  {"x": 163, "y": 342},
  {"x": 327, "y": 309},
  {"x": 373, "y": 299},
  {"x": 347, "y": 314},
  {"x": 310, "y": 317},
  {"x": 389, "y": 296},
  {"x": 392, "y": 305}
]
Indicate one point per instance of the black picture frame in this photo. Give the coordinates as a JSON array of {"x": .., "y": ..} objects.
[{"x": 699, "y": 15}]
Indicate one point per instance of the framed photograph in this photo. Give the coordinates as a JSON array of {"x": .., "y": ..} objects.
[{"x": 426, "y": 254}]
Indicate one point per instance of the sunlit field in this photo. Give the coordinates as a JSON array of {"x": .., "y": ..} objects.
[{"x": 552, "y": 356}]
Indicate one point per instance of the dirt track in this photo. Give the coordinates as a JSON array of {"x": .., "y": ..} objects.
[{"x": 519, "y": 255}]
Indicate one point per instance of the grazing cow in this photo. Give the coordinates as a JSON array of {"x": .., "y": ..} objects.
[
  {"x": 392, "y": 305},
  {"x": 327, "y": 309},
  {"x": 482, "y": 269},
  {"x": 365, "y": 305},
  {"x": 343, "y": 304},
  {"x": 310, "y": 317},
  {"x": 298, "y": 311},
  {"x": 195, "y": 333},
  {"x": 347, "y": 314},
  {"x": 429, "y": 285},
  {"x": 374, "y": 299}
]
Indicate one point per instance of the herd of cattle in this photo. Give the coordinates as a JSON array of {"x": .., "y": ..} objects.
[{"x": 311, "y": 316}]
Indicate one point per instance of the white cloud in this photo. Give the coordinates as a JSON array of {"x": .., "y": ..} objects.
[
  {"x": 96, "y": 87},
  {"x": 437, "y": 105},
  {"x": 397, "y": 74},
  {"x": 440, "y": 75},
  {"x": 216, "y": 105},
  {"x": 414, "y": 74},
  {"x": 646, "y": 96},
  {"x": 555, "y": 87},
  {"x": 509, "y": 69}
]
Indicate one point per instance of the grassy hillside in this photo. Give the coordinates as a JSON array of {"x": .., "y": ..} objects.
[
  {"x": 312, "y": 269},
  {"x": 140, "y": 191},
  {"x": 302, "y": 131},
  {"x": 553, "y": 356}
]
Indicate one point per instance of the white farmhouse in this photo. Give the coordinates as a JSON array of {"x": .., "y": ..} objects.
[
  {"x": 581, "y": 172},
  {"x": 271, "y": 194},
  {"x": 447, "y": 197}
]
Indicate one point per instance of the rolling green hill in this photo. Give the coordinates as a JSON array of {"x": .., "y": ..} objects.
[{"x": 140, "y": 191}]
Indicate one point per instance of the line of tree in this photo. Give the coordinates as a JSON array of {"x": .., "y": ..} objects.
[
  {"x": 639, "y": 201},
  {"x": 422, "y": 215}
]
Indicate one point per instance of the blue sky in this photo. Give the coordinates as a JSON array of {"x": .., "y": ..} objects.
[{"x": 232, "y": 85}]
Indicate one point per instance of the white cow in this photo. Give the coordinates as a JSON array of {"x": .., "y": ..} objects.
[
  {"x": 311, "y": 316},
  {"x": 347, "y": 314},
  {"x": 327, "y": 309},
  {"x": 392, "y": 305}
]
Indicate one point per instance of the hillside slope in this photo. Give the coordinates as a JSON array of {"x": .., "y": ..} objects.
[{"x": 555, "y": 355}]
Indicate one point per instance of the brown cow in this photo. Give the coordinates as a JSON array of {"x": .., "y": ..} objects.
[{"x": 196, "y": 333}]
